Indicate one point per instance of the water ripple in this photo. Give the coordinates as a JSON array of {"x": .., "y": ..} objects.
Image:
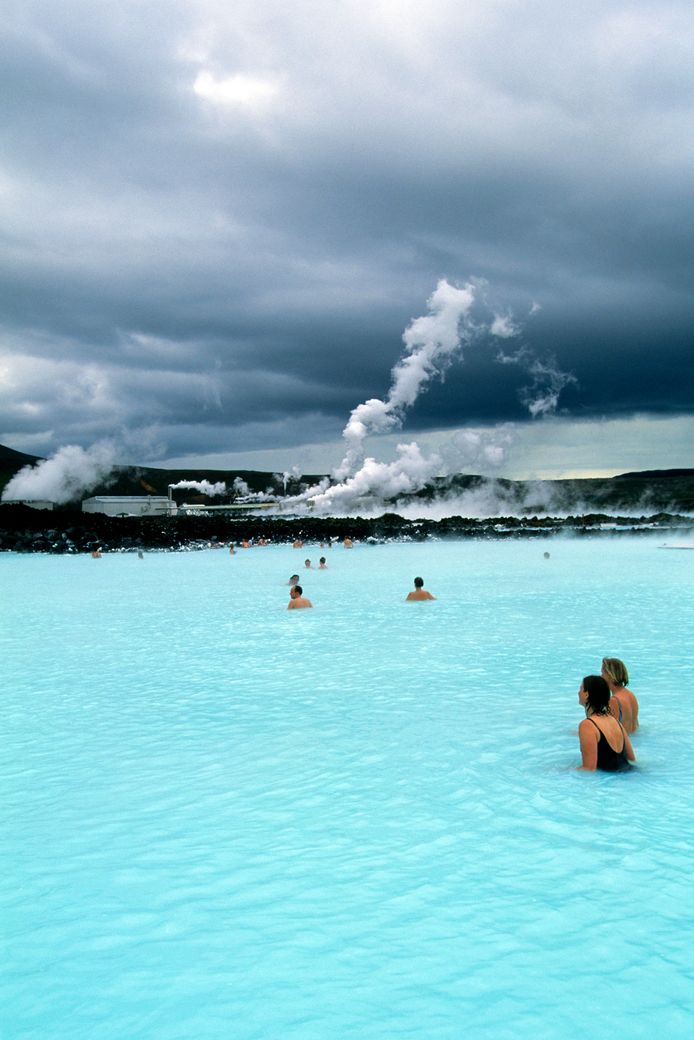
[{"x": 226, "y": 819}]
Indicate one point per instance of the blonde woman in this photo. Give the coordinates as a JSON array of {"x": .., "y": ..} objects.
[{"x": 623, "y": 703}]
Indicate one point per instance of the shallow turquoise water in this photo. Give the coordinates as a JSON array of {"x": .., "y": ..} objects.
[{"x": 226, "y": 820}]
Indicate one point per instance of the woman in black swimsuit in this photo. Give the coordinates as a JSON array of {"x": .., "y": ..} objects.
[{"x": 604, "y": 743}]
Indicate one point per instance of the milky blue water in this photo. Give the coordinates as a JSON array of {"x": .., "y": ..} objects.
[{"x": 224, "y": 819}]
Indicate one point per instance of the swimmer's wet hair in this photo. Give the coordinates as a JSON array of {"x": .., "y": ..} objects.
[
  {"x": 616, "y": 670},
  {"x": 598, "y": 694},
  {"x": 419, "y": 583},
  {"x": 299, "y": 589}
]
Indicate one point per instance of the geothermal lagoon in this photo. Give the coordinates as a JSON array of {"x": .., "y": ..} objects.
[{"x": 364, "y": 820}]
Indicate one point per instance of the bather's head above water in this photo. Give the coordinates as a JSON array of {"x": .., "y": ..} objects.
[
  {"x": 594, "y": 694},
  {"x": 615, "y": 671}
]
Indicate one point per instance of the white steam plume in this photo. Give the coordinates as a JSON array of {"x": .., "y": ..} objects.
[
  {"x": 240, "y": 487},
  {"x": 504, "y": 327},
  {"x": 542, "y": 397},
  {"x": 293, "y": 474},
  {"x": 65, "y": 476},
  {"x": 430, "y": 344},
  {"x": 377, "y": 481},
  {"x": 479, "y": 450},
  {"x": 203, "y": 486}
]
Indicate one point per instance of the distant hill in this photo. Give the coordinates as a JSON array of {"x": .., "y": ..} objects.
[
  {"x": 12, "y": 461},
  {"x": 657, "y": 474},
  {"x": 147, "y": 480},
  {"x": 649, "y": 491},
  {"x": 142, "y": 480},
  {"x": 10, "y": 458}
]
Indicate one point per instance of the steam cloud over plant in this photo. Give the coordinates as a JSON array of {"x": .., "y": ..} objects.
[
  {"x": 456, "y": 319},
  {"x": 66, "y": 476}
]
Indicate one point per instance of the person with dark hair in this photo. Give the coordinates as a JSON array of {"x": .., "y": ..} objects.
[
  {"x": 297, "y": 599},
  {"x": 604, "y": 742},
  {"x": 419, "y": 592},
  {"x": 623, "y": 703}
]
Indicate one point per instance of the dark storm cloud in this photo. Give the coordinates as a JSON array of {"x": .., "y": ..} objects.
[{"x": 216, "y": 224}]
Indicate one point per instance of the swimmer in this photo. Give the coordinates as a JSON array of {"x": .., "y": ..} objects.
[
  {"x": 140, "y": 554},
  {"x": 307, "y": 563},
  {"x": 232, "y": 550},
  {"x": 96, "y": 554},
  {"x": 546, "y": 555},
  {"x": 419, "y": 592},
  {"x": 322, "y": 565},
  {"x": 348, "y": 543},
  {"x": 623, "y": 704},
  {"x": 604, "y": 743},
  {"x": 245, "y": 544},
  {"x": 297, "y": 544},
  {"x": 294, "y": 580},
  {"x": 298, "y": 601}
]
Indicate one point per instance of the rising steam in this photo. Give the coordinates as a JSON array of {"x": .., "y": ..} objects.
[
  {"x": 67, "y": 475},
  {"x": 542, "y": 396},
  {"x": 203, "y": 486},
  {"x": 376, "y": 481},
  {"x": 456, "y": 319},
  {"x": 432, "y": 343}
]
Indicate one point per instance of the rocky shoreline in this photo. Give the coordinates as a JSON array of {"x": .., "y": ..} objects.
[{"x": 27, "y": 530}]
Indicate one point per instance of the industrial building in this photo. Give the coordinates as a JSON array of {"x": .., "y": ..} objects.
[{"x": 130, "y": 505}]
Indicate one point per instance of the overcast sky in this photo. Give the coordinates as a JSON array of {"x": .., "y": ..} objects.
[{"x": 218, "y": 220}]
